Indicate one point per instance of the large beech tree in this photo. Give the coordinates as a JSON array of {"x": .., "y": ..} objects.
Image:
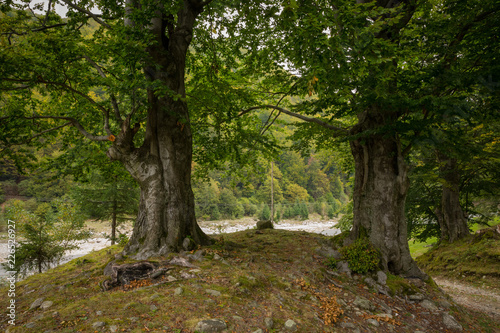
[
  {"x": 115, "y": 72},
  {"x": 379, "y": 74}
]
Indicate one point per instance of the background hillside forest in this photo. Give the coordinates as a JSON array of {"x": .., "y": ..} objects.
[{"x": 310, "y": 183}]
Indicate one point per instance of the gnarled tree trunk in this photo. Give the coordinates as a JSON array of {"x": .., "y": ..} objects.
[
  {"x": 162, "y": 165},
  {"x": 380, "y": 189},
  {"x": 451, "y": 218}
]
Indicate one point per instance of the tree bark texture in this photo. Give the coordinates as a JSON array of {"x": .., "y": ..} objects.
[
  {"x": 380, "y": 189},
  {"x": 451, "y": 218},
  {"x": 162, "y": 165}
]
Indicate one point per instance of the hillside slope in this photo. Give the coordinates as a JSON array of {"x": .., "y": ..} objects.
[{"x": 249, "y": 281}]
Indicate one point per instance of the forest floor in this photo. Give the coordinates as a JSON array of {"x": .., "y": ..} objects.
[{"x": 256, "y": 281}]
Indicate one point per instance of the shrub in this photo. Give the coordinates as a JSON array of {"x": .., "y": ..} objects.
[{"x": 361, "y": 256}]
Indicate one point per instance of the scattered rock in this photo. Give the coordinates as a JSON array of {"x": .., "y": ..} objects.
[
  {"x": 290, "y": 325},
  {"x": 382, "y": 278},
  {"x": 210, "y": 325},
  {"x": 363, "y": 303},
  {"x": 445, "y": 304},
  {"x": 237, "y": 318},
  {"x": 179, "y": 261},
  {"x": 155, "y": 296},
  {"x": 188, "y": 244},
  {"x": 373, "y": 322},
  {"x": 45, "y": 305},
  {"x": 30, "y": 325},
  {"x": 217, "y": 257},
  {"x": 98, "y": 313},
  {"x": 178, "y": 291},
  {"x": 343, "y": 267},
  {"x": 429, "y": 305},
  {"x": 264, "y": 225},
  {"x": 170, "y": 278},
  {"x": 258, "y": 331},
  {"x": 37, "y": 303},
  {"x": 328, "y": 252},
  {"x": 213, "y": 292},
  {"x": 158, "y": 273},
  {"x": 416, "y": 297},
  {"x": 347, "y": 325},
  {"x": 269, "y": 322},
  {"x": 371, "y": 282},
  {"x": 153, "y": 307},
  {"x": 113, "y": 328},
  {"x": 98, "y": 324},
  {"x": 451, "y": 322}
]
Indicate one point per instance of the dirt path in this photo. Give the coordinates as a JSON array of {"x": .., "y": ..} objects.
[{"x": 478, "y": 299}]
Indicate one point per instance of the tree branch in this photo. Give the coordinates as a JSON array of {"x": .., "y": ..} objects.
[
  {"x": 296, "y": 115},
  {"x": 112, "y": 96},
  {"x": 83, "y": 10},
  {"x": 77, "y": 125}
]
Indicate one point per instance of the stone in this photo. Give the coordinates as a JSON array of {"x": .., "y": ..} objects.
[
  {"x": 98, "y": 313},
  {"x": 328, "y": 252},
  {"x": 217, "y": 257},
  {"x": 30, "y": 325},
  {"x": 363, "y": 303},
  {"x": 445, "y": 304},
  {"x": 290, "y": 325},
  {"x": 265, "y": 225},
  {"x": 134, "y": 319},
  {"x": 429, "y": 305},
  {"x": 37, "y": 303},
  {"x": 155, "y": 296},
  {"x": 347, "y": 325},
  {"x": 98, "y": 324},
  {"x": 381, "y": 278},
  {"x": 213, "y": 292},
  {"x": 258, "y": 331},
  {"x": 416, "y": 297},
  {"x": 451, "y": 323},
  {"x": 373, "y": 322},
  {"x": 45, "y": 305},
  {"x": 178, "y": 291},
  {"x": 385, "y": 315},
  {"x": 371, "y": 282},
  {"x": 188, "y": 244},
  {"x": 269, "y": 322},
  {"x": 210, "y": 325},
  {"x": 343, "y": 267},
  {"x": 158, "y": 273},
  {"x": 238, "y": 318},
  {"x": 170, "y": 278},
  {"x": 113, "y": 328},
  {"x": 153, "y": 307}
]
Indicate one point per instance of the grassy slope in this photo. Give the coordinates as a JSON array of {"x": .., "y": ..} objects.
[{"x": 276, "y": 274}]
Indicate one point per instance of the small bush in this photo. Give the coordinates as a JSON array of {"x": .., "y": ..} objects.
[{"x": 361, "y": 256}]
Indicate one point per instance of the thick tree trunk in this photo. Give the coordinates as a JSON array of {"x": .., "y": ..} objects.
[
  {"x": 162, "y": 165},
  {"x": 380, "y": 189},
  {"x": 451, "y": 218}
]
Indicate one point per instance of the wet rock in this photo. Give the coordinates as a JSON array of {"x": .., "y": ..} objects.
[
  {"x": 210, "y": 325},
  {"x": 451, "y": 322},
  {"x": 290, "y": 326}
]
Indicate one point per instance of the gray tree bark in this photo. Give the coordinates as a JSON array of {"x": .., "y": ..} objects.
[
  {"x": 162, "y": 165},
  {"x": 380, "y": 189},
  {"x": 451, "y": 218}
]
